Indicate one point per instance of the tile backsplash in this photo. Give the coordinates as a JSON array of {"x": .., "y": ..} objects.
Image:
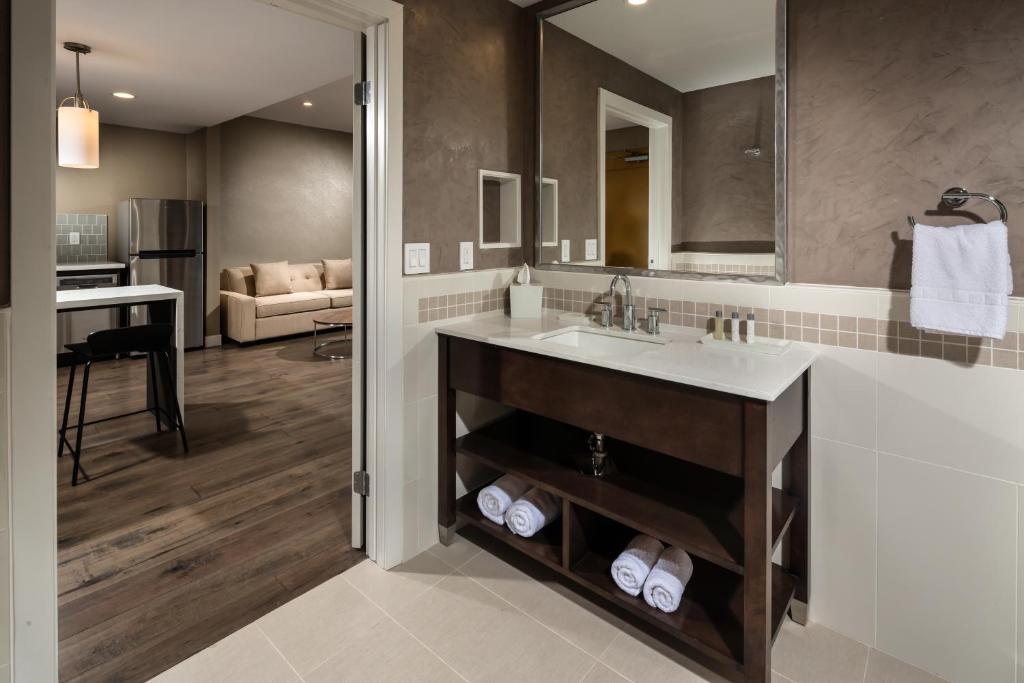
[{"x": 92, "y": 232}]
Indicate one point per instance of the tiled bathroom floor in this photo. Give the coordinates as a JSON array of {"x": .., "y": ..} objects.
[{"x": 461, "y": 613}]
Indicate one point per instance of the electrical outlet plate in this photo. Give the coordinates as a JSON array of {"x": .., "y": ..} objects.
[
  {"x": 465, "y": 256},
  {"x": 591, "y": 250},
  {"x": 566, "y": 252},
  {"x": 417, "y": 258},
  {"x": 75, "y": 238}
]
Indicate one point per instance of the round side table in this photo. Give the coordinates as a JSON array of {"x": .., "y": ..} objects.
[{"x": 333, "y": 319}]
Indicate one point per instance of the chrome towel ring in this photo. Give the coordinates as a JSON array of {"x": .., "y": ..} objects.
[{"x": 955, "y": 197}]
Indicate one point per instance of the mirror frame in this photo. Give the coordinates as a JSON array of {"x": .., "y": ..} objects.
[{"x": 781, "y": 163}]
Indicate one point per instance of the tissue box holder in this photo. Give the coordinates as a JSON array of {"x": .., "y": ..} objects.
[{"x": 527, "y": 300}]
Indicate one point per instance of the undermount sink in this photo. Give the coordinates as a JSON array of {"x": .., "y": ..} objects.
[{"x": 603, "y": 342}]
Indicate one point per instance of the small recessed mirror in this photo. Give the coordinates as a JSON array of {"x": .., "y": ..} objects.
[
  {"x": 549, "y": 211},
  {"x": 500, "y": 210}
]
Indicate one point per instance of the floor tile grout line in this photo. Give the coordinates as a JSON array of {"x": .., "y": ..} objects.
[
  {"x": 588, "y": 671},
  {"x": 279, "y": 653},
  {"x": 529, "y": 616},
  {"x": 402, "y": 626}
]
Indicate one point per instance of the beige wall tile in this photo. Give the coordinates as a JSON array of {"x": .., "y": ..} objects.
[{"x": 936, "y": 527}]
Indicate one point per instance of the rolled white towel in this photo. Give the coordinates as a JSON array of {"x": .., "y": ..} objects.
[
  {"x": 667, "y": 581},
  {"x": 532, "y": 512},
  {"x": 495, "y": 499},
  {"x": 631, "y": 567}
]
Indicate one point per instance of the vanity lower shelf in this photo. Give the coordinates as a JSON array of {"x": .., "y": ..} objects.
[
  {"x": 710, "y": 617},
  {"x": 538, "y": 451}
]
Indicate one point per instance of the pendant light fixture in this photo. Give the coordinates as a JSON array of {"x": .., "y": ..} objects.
[{"x": 78, "y": 126}]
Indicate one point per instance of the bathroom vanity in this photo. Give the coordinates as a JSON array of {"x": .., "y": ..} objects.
[{"x": 693, "y": 434}]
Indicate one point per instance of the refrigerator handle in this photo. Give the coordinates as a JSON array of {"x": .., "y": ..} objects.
[{"x": 168, "y": 253}]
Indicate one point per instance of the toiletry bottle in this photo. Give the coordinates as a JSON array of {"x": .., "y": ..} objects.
[
  {"x": 719, "y": 332},
  {"x": 751, "y": 334},
  {"x": 735, "y": 329}
]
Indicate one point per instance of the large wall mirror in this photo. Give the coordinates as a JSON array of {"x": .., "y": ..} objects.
[{"x": 662, "y": 126}]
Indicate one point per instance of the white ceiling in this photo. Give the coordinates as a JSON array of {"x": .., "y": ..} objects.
[
  {"x": 689, "y": 44},
  {"x": 332, "y": 107},
  {"x": 195, "y": 63}
]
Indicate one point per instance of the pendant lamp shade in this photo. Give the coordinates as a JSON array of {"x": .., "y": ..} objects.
[
  {"x": 78, "y": 125},
  {"x": 78, "y": 137}
]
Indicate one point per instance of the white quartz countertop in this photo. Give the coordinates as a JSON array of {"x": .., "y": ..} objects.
[
  {"x": 71, "y": 299},
  {"x": 86, "y": 267},
  {"x": 683, "y": 359}
]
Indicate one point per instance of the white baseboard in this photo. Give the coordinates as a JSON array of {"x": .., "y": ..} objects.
[{"x": 212, "y": 340}]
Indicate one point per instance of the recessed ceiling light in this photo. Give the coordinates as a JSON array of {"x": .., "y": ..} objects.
[
  {"x": 124, "y": 95},
  {"x": 307, "y": 103},
  {"x": 636, "y": 3}
]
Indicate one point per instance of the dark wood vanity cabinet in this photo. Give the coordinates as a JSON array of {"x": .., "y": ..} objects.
[{"x": 691, "y": 467}]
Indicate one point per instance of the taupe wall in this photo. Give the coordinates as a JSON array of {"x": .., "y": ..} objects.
[
  {"x": 467, "y": 91},
  {"x": 730, "y": 197},
  {"x": 134, "y": 162},
  {"x": 285, "y": 193},
  {"x": 892, "y": 102}
]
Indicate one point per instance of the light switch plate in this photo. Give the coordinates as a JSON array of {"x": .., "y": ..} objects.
[
  {"x": 566, "y": 252},
  {"x": 417, "y": 258},
  {"x": 465, "y": 256},
  {"x": 74, "y": 238},
  {"x": 591, "y": 250}
]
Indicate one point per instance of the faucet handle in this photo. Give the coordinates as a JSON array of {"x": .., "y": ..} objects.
[{"x": 654, "y": 320}]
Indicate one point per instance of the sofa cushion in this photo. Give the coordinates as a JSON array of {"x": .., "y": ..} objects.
[
  {"x": 340, "y": 298},
  {"x": 239, "y": 280},
  {"x": 272, "y": 278},
  {"x": 337, "y": 273},
  {"x": 296, "y": 302},
  {"x": 307, "y": 277}
]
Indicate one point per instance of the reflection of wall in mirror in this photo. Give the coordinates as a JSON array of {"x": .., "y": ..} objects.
[{"x": 721, "y": 192}]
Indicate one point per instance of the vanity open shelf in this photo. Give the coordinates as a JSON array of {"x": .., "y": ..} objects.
[{"x": 689, "y": 466}]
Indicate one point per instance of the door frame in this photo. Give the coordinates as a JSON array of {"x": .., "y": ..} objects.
[
  {"x": 659, "y": 206},
  {"x": 32, "y": 370}
]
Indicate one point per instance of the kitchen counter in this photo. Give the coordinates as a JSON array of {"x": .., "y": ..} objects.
[
  {"x": 88, "y": 267},
  {"x": 164, "y": 304},
  {"x": 683, "y": 359}
]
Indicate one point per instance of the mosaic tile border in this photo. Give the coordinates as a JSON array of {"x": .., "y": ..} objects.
[
  {"x": 447, "y": 306},
  {"x": 725, "y": 269}
]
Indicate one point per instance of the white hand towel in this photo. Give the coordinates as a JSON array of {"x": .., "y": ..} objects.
[
  {"x": 531, "y": 513},
  {"x": 667, "y": 581},
  {"x": 961, "y": 279},
  {"x": 631, "y": 567},
  {"x": 495, "y": 499}
]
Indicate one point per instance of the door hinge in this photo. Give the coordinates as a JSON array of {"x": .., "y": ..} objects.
[
  {"x": 361, "y": 483},
  {"x": 363, "y": 93}
]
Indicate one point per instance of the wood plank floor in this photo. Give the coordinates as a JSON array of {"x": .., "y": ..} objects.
[{"x": 162, "y": 554}]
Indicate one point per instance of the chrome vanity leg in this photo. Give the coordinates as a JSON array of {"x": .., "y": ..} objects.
[
  {"x": 446, "y": 534},
  {"x": 798, "y": 611}
]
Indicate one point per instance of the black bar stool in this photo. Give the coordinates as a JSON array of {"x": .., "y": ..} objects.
[{"x": 153, "y": 340}]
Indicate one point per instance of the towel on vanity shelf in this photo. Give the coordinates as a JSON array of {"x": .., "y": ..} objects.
[
  {"x": 961, "y": 279},
  {"x": 631, "y": 567},
  {"x": 495, "y": 499},
  {"x": 667, "y": 581},
  {"x": 531, "y": 513}
]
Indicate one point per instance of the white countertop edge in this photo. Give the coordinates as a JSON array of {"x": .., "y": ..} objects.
[
  {"x": 74, "y": 267},
  {"x": 114, "y": 296},
  {"x": 799, "y": 357}
]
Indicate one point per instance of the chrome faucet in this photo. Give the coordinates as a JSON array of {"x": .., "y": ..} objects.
[{"x": 628, "y": 310}]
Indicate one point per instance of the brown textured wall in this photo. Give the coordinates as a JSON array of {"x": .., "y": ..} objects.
[
  {"x": 573, "y": 70},
  {"x": 285, "y": 193},
  {"x": 729, "y": 196},
  {"x": 467, "y": 102},
  {"x": 891, "y": 102}
]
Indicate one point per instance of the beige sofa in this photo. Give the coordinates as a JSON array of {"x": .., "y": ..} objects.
[{"x": 246, "y": 317}]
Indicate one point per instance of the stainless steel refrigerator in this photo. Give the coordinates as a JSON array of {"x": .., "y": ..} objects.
[{"x": 163, "y": 242}]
